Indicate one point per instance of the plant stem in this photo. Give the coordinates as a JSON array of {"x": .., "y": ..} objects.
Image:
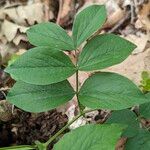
[
  {"x": 65, "y": 127},
  {"x": 77, "y": 82},
  {"x": 81, "y": 112}
]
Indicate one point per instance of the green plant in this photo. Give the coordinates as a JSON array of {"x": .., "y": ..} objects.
[{"x": 42, "y": 84}]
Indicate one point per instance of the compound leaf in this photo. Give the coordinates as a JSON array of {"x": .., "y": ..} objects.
[
  {"x": 51, "y": 35},
  {"x": 110, "y": 91},
  {"x": 40, "y": 98},
  {"x": 41, "y": 66},
  {"x": 87, "y": 22},
  {"x": 104, "y": 51},
  {"x": 91, "y": 137}
]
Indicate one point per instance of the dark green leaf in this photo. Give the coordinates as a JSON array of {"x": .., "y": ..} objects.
[
  {"x": 126, "y": 117},
  {"x": 91, "y": 137},
  {"x": 110, "y": 91},
  {"x": 40, "y": 98},
  {"x": 42, "y": 66},
  {"x": 51, "y": 35},
  {"x": 139, "y": 142},
  {"x": 145, "y": 108},
  {"x": 104, "y": 51},
  {"x": 87, "y": 22}
]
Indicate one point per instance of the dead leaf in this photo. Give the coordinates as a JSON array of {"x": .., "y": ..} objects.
[
  {"x": 30, "y": 13},
  {"x": 5, "y": 111},
  {"x": 144, "y": 14},
  {"x": 19, "y": 38},
  {"x": 7, "y": 49},
  {"x": 10, "y": 29}
]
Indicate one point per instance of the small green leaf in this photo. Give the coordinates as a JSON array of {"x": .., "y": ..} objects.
[
  {"x": 110, "y": 91},
  {"x": 145, "y": 83},
  {"x": 104, "y": 51},
  {"x": 21, "y": 147},
  {"x": 139, "y": 142},
  {"x": 91, "y": 137},
  {"x": 51, "y": 35},
  {"x": 145, "y": 108},
  {"x": 126, "y": 117},
  {"x": 42, "y": 66},
  {"x": 40, "y": 98},
  {"x": 87, "y": 22}
]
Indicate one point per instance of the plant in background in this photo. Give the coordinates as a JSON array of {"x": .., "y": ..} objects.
[{"x": 42, "y": 85}]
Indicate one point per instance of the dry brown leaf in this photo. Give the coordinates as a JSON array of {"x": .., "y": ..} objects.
[
  {"x": 19, "y": 38},
  {"x": 7, "y": 49},
  {"x": 30, "y": 13},
  {"x": 5, "y": 111},
  {"x": 9, "y": 30},
  {"x": 144, "y": 14}
]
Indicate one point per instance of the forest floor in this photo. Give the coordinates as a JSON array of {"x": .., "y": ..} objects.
[{"x": 127, "y": 18}]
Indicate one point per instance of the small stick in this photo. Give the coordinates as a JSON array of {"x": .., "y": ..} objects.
[
  {"x": 46, "y": 6},
  {"x": 119, "y": 23},
  {"x": 59, "y": 12},
  {"x": 132, "y": 12}
]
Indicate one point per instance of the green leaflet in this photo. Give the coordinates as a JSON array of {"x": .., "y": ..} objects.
[
  {"x": 21, "y": 147},
  {"x": 51, "y": 35},
  {"x": 42, "y": 66},
  {"x": 91, "y": 137},
  {"x": 145, "y": 108},
  {"x": 126, "y": 117},
  {"x": 110, "y": 91},
  {"x": 87, "y": 22},
  {"x": 40, "y": 98},
  {"x": 104, "y": 51},
  {"x": 139, "y": 142}
]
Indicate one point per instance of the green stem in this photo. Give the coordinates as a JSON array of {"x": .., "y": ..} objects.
[
  {"x": 81, "y": 112},
  {"x": 77, "y": 82},
  {"x": 65, "y": 127}
]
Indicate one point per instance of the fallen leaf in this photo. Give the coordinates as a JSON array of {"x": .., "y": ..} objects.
[
  {"x": 144, "y": 14},
  {"x": 10, "y": 29}
]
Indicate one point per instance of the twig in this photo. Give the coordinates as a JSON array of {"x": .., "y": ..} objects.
[
  {"x": 132, "y": 5},
  {"x": 120, "y": 23},
  {"x": 46, "y": 6},
  {"x": 65, "y": 127},
  {"x": 59, "y": 12}
]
